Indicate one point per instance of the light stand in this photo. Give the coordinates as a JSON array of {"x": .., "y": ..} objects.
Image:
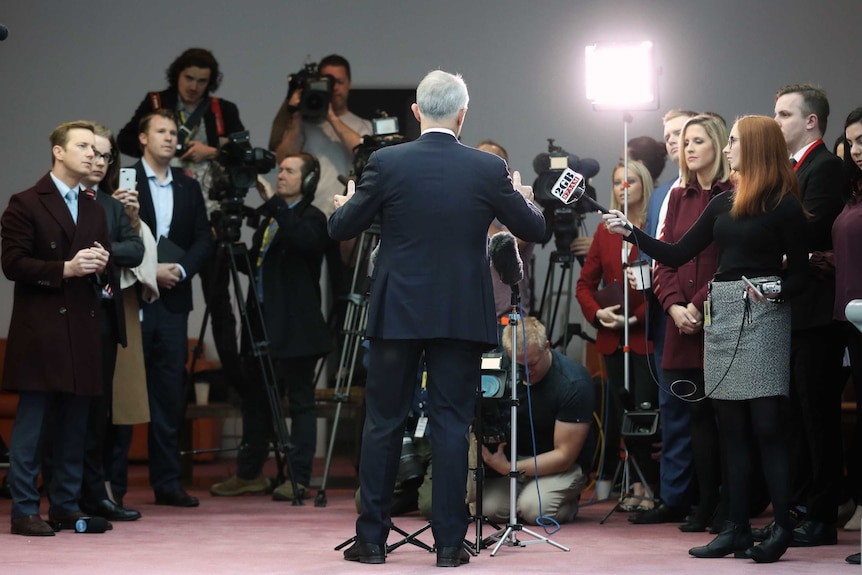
[
  {"x": 510, "y": 535},
  {"x": 603, "y": 90}
]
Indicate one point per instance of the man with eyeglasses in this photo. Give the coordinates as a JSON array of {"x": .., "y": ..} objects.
[
  {"x": 559, "y": 414},
  {"x": 55, "y": 247},
  {"x": 127, "y": 251}
]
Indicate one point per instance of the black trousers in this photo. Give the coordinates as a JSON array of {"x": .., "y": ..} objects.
[{"x": 816, "y": 385}]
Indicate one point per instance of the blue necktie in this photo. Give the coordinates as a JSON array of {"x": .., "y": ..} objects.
[{"x": 72, "y": 202}]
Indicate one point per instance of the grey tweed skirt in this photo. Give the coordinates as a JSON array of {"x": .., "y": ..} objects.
[{"x": 747, "y": 345}]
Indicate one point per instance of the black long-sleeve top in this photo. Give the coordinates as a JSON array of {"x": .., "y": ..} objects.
[{"x": 751, "y": 246}]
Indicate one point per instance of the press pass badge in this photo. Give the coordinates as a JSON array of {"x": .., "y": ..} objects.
[{"x": 420, "y": 427}]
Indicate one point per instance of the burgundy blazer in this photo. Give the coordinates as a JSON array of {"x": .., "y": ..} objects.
[{"x": 54, "y": 341}]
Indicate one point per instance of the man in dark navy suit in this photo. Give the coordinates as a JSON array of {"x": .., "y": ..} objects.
[
  {"x": 172, "y": 206},
  {"x": 431, "y": 293},
  {"x": 816, "y": 345}
]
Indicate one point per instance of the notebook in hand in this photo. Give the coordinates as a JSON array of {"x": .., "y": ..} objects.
[{"x": 169, "y": 252}]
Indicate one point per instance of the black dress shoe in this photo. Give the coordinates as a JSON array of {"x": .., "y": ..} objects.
[
  {"x": 452, "y": 556},
  {"x": 109, "y": 510},
  {"x": 31, "y": 526},
  {"x": 814, "y": 533},
  {"x": 853, "y": 559},
  {"x": 366, "y": 553},
  {"x": 734, "y": 538},
  {"x": 664, "y": 513},
  {"x": 178, "y": 498}
]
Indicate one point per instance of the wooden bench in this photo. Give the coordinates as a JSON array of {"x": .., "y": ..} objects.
[{"x": 326, "y": 403}]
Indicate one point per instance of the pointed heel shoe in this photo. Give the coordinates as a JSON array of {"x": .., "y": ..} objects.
[{"x": 734, "y": 538}]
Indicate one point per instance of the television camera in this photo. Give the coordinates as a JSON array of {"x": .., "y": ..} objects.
[
  {"x": 385, "y": 132},
  {"x": 236, "y": 169},
  {"x": 316, "y": 91},
  {"x": 563, "y": 221}
]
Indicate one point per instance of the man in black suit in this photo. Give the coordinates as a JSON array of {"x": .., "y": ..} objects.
[
  {"x": 127, "y": 250},
  {"x": 817, "y": 346},
  {"x": 172, "y": 206},
  {"x": 286, "y": 256},
  {"x": 431, "y": 294},
  {"x": 204, "y": 123}
]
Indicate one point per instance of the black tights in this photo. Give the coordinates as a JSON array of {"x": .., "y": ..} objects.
[{"x": 741, "y": 422}]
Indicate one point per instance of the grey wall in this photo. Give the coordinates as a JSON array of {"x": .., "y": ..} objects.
[{"x": 523, "y": 63}]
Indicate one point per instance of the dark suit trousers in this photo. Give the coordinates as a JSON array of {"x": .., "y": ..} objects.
[
  {"x": 296, "y": 376},
  {"x": 816, "y": 385},
  {"x": 25, "y": 449},
  {"x": 97, "y": 457},
  {"x": 676, "y": 469},
  {"x": 165, "y": 341},
  {"x": 454, "y": 370}
]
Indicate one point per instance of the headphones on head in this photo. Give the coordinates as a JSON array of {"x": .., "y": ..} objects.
[{"x": 311, "y": 179}]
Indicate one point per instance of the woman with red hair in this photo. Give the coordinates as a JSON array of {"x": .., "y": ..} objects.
[{"x": 747, "y": 329}]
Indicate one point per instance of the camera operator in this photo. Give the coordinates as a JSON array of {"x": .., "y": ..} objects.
[
  {"x": 286, "y": 255},
  {"x": 331, "y": 138},
  {"x": 204, "y": 123},
  {"x": 561, "y": 411}
]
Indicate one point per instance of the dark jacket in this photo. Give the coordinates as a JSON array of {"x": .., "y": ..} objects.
[
  {"x": 295, "y": 326},
  {"x": 127, "y": 251},
  {"x": 190, "y": 230},
  {"x": 127, "y": 139},
  {"x": 54, "y": 341},
  {"x": 436, "y": 199}
]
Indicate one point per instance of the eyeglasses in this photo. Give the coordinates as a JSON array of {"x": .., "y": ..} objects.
[
  {"x": 109, "y": 159},
  {"x": 731, "y": 141}
]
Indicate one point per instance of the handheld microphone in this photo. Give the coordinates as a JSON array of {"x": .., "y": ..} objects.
[
  {"x": 570, "y": 187},
  {"x": 91, "y": 525},
  {"x": 505, "y": 258},
  {"x": 4, "y": 32}
]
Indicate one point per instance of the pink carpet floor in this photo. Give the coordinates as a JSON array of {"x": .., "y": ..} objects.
[{"x": 253, "y": 534}]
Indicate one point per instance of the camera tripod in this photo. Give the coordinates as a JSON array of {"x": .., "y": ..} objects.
[
  {"x": 355, "y": 320},
  {"x": 562, "y": 260},
  {"x": 628, "y": 466},
  {"x": 509, "y": 536},
  {"x": 259, "y": 349}
]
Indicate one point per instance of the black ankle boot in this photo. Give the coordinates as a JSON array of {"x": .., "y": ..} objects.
[
  {"x": 773, "y": 547},
  {"x": 734, "y": 538}
]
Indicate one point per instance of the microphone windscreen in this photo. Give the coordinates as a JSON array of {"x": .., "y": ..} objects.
[
  {"x": 503, "y": 250},
  {"x": 589, "y": 167},
  {"x": 541, "y": 163}
]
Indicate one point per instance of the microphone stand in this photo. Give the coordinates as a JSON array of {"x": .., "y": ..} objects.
[{"x": 510, "y": 535}]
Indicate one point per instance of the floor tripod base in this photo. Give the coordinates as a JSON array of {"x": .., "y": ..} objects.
[
  {"x": 411, "y": 538},
  {"x": 509, "y": 537}
]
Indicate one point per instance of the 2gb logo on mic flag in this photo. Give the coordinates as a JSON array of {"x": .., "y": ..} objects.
[{"x": 566, "y": 187}]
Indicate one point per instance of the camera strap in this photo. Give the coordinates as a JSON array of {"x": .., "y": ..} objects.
[{"x": 190, "y": 124}]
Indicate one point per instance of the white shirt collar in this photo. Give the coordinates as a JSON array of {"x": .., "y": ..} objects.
[{"x": 441, "y": 130}]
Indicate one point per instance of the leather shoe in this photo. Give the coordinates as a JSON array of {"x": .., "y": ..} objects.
[
  {"x": 664, "y": 513},
  {"x": 32, "y": 526},
  {"x": 452, "y": 556},
  {"x": 366, "y": 553},
  {"x": 814, "y": 533},
  {"x": 177, "y": 498},
  {"x": 68, "y": 521},
  {"x": 853, "y": 559},
  {"x": 109, "y": 510}
]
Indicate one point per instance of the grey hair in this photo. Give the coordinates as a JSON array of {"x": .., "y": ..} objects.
[{"x": 441, "y": 95}]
